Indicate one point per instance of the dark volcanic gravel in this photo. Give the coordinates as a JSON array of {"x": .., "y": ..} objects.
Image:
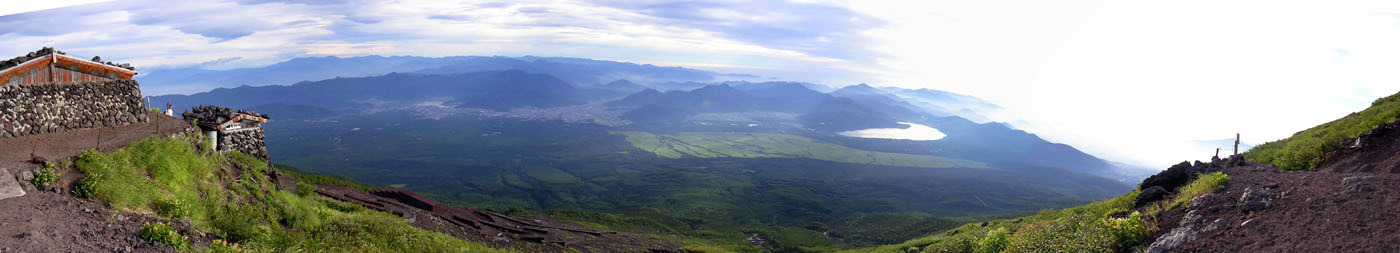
[{"x": 1309, "y": 212}]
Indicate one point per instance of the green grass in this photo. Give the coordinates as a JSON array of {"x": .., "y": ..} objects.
[
  {"x": 764, "y": 145},
  {"x": 1087, "y": 228},
  {"x": 321, "y": 179},
  {"x": 1204, "y": 184},
  {"x": 170, "y": 177},
  {"x": 1305, "y": 150}
]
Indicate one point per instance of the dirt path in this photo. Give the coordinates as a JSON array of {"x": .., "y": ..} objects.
[
  {"x": 14, "y": 152},
  {"x": 53, "y": 222}
]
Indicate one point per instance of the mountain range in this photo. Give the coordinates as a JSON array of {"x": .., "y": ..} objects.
[{"x": 659, "y": 142}]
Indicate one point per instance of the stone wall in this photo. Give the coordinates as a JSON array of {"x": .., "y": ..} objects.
[
  {"x": 247, "y": 141},
  {"x": 38, "y": 109}
]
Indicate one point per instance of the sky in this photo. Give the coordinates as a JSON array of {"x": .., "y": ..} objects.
[{"x": 1149, "y": 83}]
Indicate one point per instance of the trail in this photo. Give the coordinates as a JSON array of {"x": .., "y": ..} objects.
[{"x": 45, "y": 221}]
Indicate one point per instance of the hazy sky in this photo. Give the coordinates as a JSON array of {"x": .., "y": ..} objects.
[{"x": 1142, "y": 82}]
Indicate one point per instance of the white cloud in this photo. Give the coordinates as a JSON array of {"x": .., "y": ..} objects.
[{"x": 1138, "y": 81}]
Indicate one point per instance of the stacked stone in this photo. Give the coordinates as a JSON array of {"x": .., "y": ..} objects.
[
  {"x": 249, "y": 142},
  {"x": 209, "y": 117},
  {"x": 24, "y": 58},
  {"x": 39, "y": 109}
]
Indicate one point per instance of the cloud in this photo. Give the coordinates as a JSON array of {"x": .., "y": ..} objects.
[
  {"x": 1135, "y": 81},
  {"x": 161, "y": 34}
]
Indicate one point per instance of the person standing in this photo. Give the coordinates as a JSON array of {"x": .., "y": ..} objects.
[{"x": 169, "y": 110}]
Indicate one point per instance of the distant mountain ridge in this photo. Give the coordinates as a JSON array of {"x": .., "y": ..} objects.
[
  {"x": 497, "y": 90},
  {"x": 576, "y": 71},
  {"x": 664, "y": 95}
]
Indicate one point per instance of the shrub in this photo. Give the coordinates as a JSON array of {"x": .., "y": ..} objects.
[
  {"x": 1128, "y": 231},
  {"x": 164, "y": 234},
  {"x": 995, "y": 241},
  {"x": 304, "y": 189},
  {"x": 46, "y": 176},
  {"x": 87, "y": 186},
  {"x": 221, "y": 246},
  {"x": 172, "y": 208}
]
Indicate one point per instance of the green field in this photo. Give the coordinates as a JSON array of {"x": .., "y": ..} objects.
[{"x": 766, "y": 145}]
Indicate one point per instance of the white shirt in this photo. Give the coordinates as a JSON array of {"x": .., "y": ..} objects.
[{"x": 169, "y": 112}]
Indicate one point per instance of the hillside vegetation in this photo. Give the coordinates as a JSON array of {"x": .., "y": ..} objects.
[
  {"x": 1305, "y": 150},
  {"x": 765, "y": 145},
  {"x": 1104, "y": 226},
  {"x": 230, "y": 196}
]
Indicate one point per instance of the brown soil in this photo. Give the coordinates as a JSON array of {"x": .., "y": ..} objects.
[
  {"x": 54, "y": 221},
  {"x": 1348, "y": 205},
  {"x": 1374, "y": 151}
]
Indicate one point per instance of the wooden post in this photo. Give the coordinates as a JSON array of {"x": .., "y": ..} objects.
[
  {"x": 1217, "y": 152},
  {"x": 1237, "y": 143}
]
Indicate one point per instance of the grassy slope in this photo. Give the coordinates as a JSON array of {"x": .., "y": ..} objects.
[
  {"x": 1305, "y": 150},
  {"x": 173, "y": 179},
  {"x": 762, "y": 145},
  {"x": 1087, "y": 228}
]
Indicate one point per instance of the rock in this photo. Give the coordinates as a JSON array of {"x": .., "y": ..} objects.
[
  {"x": 9, "y": 188},
  {"x": 1191, "y": 219},
  {"x": 1171, "y": 240},
  {"x": 1149, "y": 195},
  {"x": 1175, "y": 176},
  {"x": 1217, "y": 224},
  {"x": 1197, "y": 202},
  {"x": 26, "y": 176},
  {"x": 984, "y": 224},
  {"x": 1235, "y": 161},
  {"x": 1255, "y": 200},
  {"x": 1358, "y": 184}
]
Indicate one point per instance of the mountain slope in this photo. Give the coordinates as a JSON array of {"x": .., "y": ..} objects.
[{"x": 1306, "y": 149}]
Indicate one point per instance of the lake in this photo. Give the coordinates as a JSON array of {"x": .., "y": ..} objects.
[{"x": 915, "y": 132}]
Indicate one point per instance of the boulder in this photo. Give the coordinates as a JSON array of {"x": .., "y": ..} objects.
[
  {"x": 1199, "y": 201},
  {"x": 9, "y": 188},
  {"x": 1173, "y": 239},
  {"x": 1149, "y": 195},
  {"x": 1172, "y": 178},
  {"x": 1255, "y": 200},
  {"x": 1358, "y": 184}
]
